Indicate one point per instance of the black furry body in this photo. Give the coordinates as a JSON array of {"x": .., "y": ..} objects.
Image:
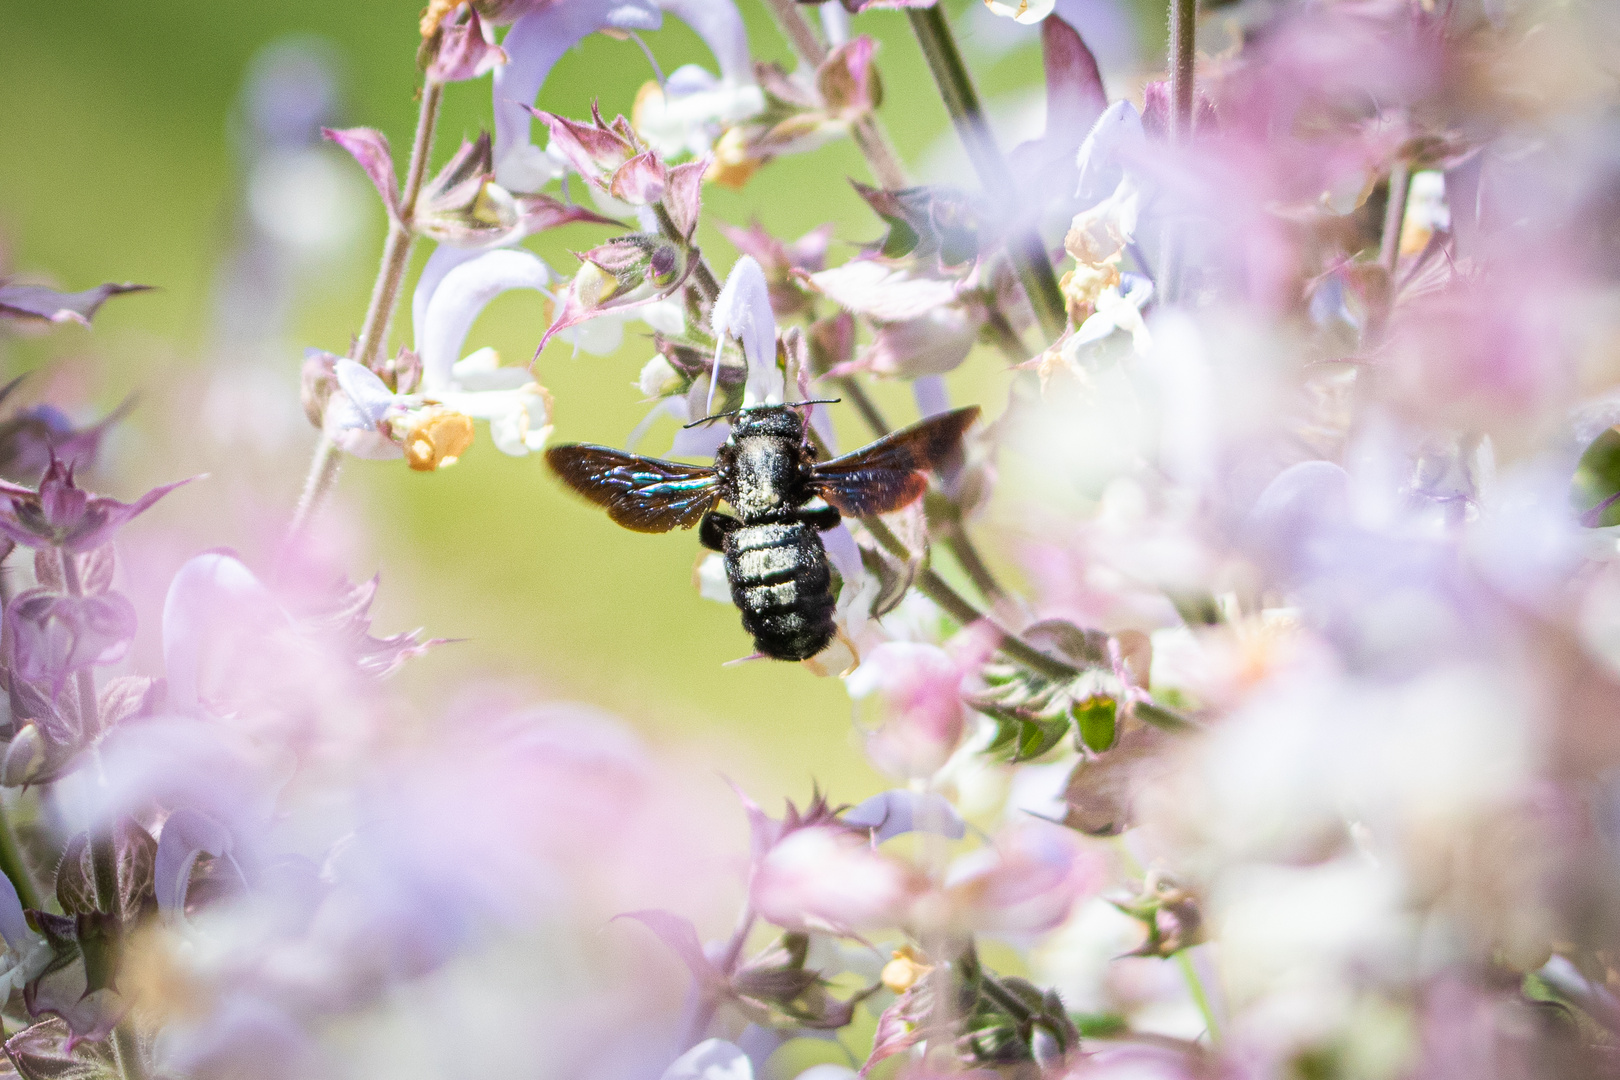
[
  {"x": 768, "y": 473},
  {"x": 775, "y": 560}
]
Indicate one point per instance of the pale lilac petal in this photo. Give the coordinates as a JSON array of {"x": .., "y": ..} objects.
[
  {"x": 533, "y": 46},
  {"x": 671, "y": 406},
  {"x": 445, "y": 258},
  {"x": 681, "y": 937},
  {"x": 38, "y": 302},
  {"x": 369, "y": 147},
  {"x": 713, "y": 1059},
  {"x": 1103, "y": 156},
  {"x": 366, "y": 392},
  {"x": 821, "y": 422},
  {"x": 721, "y": 28},
  {"x": 207, "y": 589},
  {"x": 892, "y": 813},
  {"x": 867, "y": 287},
  {"x": 13, "y": 925},
  {"x": 743, "y": 311},
  {"x": 186, "y": 835},
  {"x": 700, "y": 441},
  {"x": 844, "y": 554},
  {"x": 460, "y": 297},
  {"x": 931, "y": 395}
]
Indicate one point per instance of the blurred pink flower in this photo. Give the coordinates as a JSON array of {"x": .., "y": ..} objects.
[
  {"x": 920, "y": 686},
  {"x": 1025, "y": 883},
  {"x": 831, "y": 878}
]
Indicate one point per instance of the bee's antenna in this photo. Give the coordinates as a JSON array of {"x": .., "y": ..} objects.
[
  {"x": 814, "y": 401},
  {"x": 711, "y": 416}
]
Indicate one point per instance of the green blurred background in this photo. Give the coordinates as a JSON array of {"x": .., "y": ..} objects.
[{"x": 119, "y": 164}]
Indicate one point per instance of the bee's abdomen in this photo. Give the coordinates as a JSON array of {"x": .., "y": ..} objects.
[{"x": 780, "y": 582}]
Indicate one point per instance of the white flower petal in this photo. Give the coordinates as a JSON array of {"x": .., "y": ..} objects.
[
  {"x": 461, "y": 296},
  {"x": 368, "y": 394},
  {"x": 743, "y": 311},
  {"x": 1104, "y": 156}
]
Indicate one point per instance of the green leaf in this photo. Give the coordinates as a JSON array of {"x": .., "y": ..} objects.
[
  {"x": 1594, "y": 491},
  {"x": 1036, "y": 737},
  {"x": 1095, "y": 717}
]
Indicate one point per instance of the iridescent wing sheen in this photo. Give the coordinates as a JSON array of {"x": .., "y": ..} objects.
[
  {"x": 640, "y": 493},
  {"x": 887, "y": 475}
]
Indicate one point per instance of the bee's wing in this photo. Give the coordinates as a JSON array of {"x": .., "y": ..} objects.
[
  {"x": 887, "y": 475},
  {"x": 640, "y": 493}
]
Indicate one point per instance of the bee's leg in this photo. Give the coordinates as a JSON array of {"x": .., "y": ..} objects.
[
  {"x": 821, "y": 518},
  {"x": 713, "y": 528}
]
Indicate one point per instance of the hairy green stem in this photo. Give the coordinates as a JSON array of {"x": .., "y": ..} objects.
[
  {"x": 848, "y": 387},
  {"x": 126, "y": 1051},
  {"x": 103, "y": 845},
  {"x": 962, "y": 610},
  {"x": 396, "y": 259},
  {"x": 707, "y": 283},
  {"x": 972, "y": 563},
  {"x": 868, "y": 131},
  {"x": 1189, "y": 971},
  {"x": 1024, "y": 245},
  {"x": 1183, "y": 57},
  {"x": 15, "y": 865},
  {"x": 1195, "y": 986},
  {"x": 12, "y": 861}
]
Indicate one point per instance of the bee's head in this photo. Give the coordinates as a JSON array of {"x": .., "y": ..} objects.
[{"x": 779, "y": 420}]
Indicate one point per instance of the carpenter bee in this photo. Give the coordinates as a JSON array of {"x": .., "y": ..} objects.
[{"x": 767, "y": 471}]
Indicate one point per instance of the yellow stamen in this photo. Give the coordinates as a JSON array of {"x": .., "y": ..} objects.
[
  {"x": 901, "y": 973},
  {"x": 435, "y": 13},
  {"x": 438, "y": 440}
]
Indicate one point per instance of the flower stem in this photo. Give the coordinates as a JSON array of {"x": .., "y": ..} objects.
[
  {"x": 962, "y": 610},
  {"x": 868, "y": 131},
  {"x": 396, "y": 258},
  {"x": 103, "y": 845},
  {"x": 850, "y": 388},
  {"x": 1029, "y": 255},
  {"x": 126, "y": 1051},
  {"x": 12, "y": 861},
  {"x": 707, "y": 283},
  {"x": 1389, "y": 243},
  {"x": 401, "y": 233},
  {"x": 1183, "y": 55},
  {"x": 15, "y": 865},
  {"x": 1195, "y": 986}
]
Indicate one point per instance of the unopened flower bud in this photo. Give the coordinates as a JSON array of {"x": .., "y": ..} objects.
[
  {"x": 24, "y": 758},
  {"x": 593, "y": 286},
  {"x": 658, "y": 378},
  {"x": 438, "y": 440}
]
